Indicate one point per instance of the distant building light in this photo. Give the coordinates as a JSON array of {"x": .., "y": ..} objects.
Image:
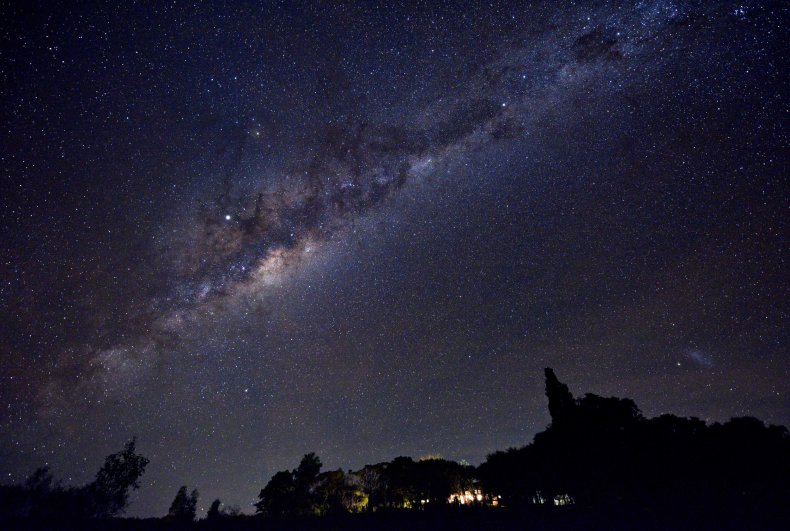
[
  {"x": 563, "y": 499},
  {"x": 466, "y": 497}
]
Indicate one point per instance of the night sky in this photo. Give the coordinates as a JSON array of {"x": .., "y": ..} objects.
[{"x": 245, "y": 232}]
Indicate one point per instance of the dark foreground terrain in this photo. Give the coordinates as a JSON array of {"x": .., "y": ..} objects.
[{"x": 543, "y": 518}]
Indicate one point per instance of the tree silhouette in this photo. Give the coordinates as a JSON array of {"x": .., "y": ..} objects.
[
  {"x": 213, "y": 511},
  {"x": 370, "y": 481},
  {"x": 184, "y": 505},
  {"x": 401, "y": 481},
  {"x": 304, "y": 478},
  {"x": 307, "y": 471},
  {"x": 438, "y": 478},
  {"x": 337, "y": 492},
  {"x": 120, "y": 473},
  {"x": 276, "y": 498},
  {"x": 561, "y": 403}
]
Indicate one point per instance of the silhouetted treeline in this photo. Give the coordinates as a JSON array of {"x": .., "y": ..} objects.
[
  {"x": 600, "y": 464},
  {"x": 400, "y": 484},
  {"x": 603, "y": 452},
  {"x": 41, "y": 498}
]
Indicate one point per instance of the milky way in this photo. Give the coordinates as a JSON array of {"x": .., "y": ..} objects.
[{"x": 248, "y": 234}]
